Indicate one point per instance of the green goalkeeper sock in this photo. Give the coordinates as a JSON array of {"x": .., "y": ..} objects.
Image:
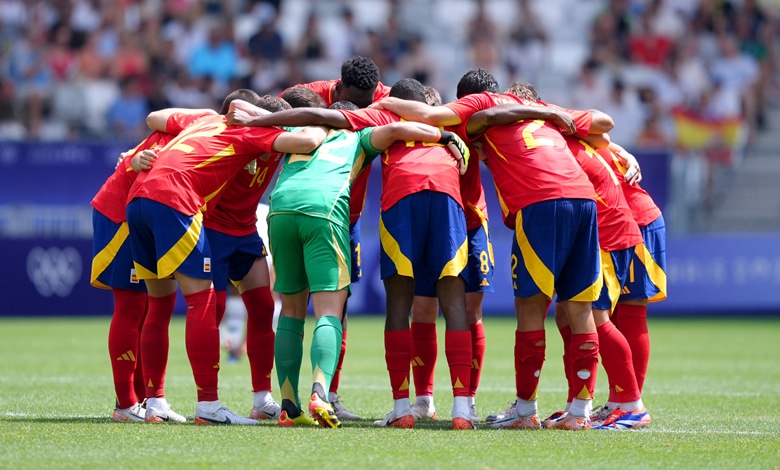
[
  {"x": 288, "y": 350},
  {"x": 325, "y": 350}
]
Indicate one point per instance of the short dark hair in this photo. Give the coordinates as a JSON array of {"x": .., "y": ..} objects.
[
  {"x": 240, "y": 94},
  {"x": 360, "y": 72},
  {"x": 476, "y": 81},
  {"x": 303, "y": 97},
  {"x": 408, "y": 89},
  {"x": 272, "y": 103},
  {"x": 522, "y": 90},
  {"x": 348, "y": 105}
]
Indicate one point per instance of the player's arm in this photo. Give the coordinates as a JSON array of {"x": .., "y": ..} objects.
[
  {"x": 597, "y": 141},
  {"x": 504, "y": 114},
  {"x": 158, "y": 120},
  {"x": 305, "y": 141},
  {"x": 384, "y": 136},
  {"x": 290, "y": 117},
  {"x": 633, "y": 173},
  {"x": 601, "y": 122},
  {"x": 417, "y": 111}
]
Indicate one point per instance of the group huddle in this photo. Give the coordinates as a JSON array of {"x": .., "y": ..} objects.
[{"x": 179, "y": 212}]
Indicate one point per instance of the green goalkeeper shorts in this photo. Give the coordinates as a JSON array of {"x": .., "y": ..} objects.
[{"x": 309, "y": 252}]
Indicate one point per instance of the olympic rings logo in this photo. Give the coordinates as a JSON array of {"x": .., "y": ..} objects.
[{"x": 54, "y": 271}]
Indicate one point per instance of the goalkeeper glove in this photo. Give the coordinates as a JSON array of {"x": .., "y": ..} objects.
[{"x": 458, "y": 148}]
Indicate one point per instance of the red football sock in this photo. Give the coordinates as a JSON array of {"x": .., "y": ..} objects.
[
  {"x": 457, "y": 348},
  {"x": 616, "y": 359},
  {"x": 334, "y": 383},
  {"x": 529, "y": 358},
  {"x": 154, "y": 343},
  {"x": 584, "y": 364},
  {"x": 477, "y": 355},
  {"x": 138, "y": 377},
  {"x": 398, "y": 355},
  {"x": 566, "y": 337},
  {"x": 260, "y": 336},
  {"x": 221, "y": 303},
  {"x": 633, "y": 325},
  {"x": 202, "y": 341},
  {"x": 123, "y": 342},
  {"x": 425, "y": 351}
]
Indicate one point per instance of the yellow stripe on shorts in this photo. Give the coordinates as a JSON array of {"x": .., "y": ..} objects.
[{"x": 103, "y": 259}]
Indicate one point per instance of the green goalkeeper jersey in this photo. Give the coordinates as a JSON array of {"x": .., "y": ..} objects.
[{"x": 318, "y": 184}]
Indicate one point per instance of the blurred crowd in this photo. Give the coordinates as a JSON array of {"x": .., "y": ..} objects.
[{"x": 94, "y": 68}]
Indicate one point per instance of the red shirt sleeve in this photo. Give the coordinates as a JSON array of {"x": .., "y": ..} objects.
[
  {"x": 582, "y": 119},
  {"x": 178, "y": 121},
  {"x": 362, "y": 118}
]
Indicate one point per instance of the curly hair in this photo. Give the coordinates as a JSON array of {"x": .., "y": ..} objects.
[
  {"x": 476, "y": 81},
  {"x": 360, "y": 72}
]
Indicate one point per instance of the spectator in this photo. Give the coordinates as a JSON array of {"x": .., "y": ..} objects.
[
  {"x": 648, "y": 48},
  {"x": 418, "y": 63},
  {"x": 130, "y": 59},
  {"x": 217, "y": 58},
  {"x": 127, "y": 115},
  {"x": 28, "y": 69},
  {"x": 311, "y": 46},
  {"x": 267, "y": 43},
  {"x": 624, "y": 107},
  {"x": 60, "y": 56},
  {"x": 527, "y": 44}
]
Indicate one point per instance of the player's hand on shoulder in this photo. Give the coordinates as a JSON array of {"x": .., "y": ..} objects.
[
  {"x": 633, "y": 171},
  {"x": 143, "y": 160},
  {"x": 565, "y": 122},
  {"x": 458, "y": 148},
  {"x": 238, "y": 117}
]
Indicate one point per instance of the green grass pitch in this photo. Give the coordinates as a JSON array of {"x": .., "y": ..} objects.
[{"x": 713, "y": 390}]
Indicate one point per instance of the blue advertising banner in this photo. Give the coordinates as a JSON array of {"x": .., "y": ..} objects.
[{"x": 45, "y": 235}]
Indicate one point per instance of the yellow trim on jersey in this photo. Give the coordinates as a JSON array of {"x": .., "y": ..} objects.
[
  {"x": 656, "y": 274},
  {"x": 457, "y": 263},
  {"x": 211, "y": 196},
  {"x": 226, "y": 152},
  {"x": 402, "y": 264},
  {"x": 179, "y": 252},
  {"x": 609, "y": 274},
  {"x": 345, "y": 275},
  {"x": 104, "y": 257},
  {"x": 541, "y": 274}
]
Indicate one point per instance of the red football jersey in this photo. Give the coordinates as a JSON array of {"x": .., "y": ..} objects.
[
  {"x": 235, "y": 213},
  {"x": 357, "y": 195},
  {"x": 111, "y": 199},
  {"x": 466, "y": 106},
  {"x": 409, "y": 167},
  {"x": 473, "y": 194},
  {"x": 195, "y": 166},
  {"x": 529, "y": 160},
  {"x": 617, "y": 228},
  {"x": 642, "y": 206},
  {"x": 324, "y": 88}
]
